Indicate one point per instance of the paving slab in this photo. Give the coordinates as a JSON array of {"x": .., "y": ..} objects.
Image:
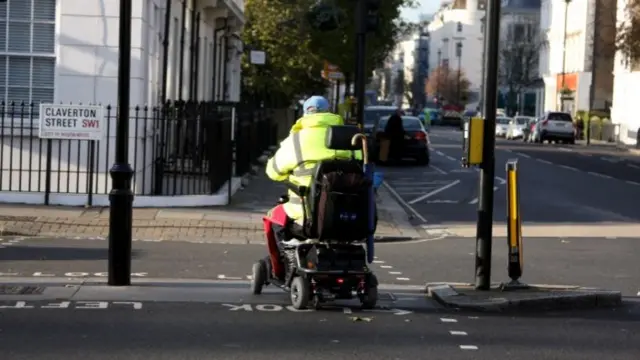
[{"x": 525, "y": 298}]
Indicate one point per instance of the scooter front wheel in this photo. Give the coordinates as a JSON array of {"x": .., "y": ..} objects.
[{"x": 300, "y": 293}]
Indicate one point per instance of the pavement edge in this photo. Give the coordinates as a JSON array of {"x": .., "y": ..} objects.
[{"x": 542, "y": 298}]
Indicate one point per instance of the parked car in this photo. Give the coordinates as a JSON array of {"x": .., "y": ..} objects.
[
  {"x": 416, "y": 141},
  {"x": 502, "y": 125},
  {"x": 555, "y": 126},
  {"x": 518, "y": 126}
]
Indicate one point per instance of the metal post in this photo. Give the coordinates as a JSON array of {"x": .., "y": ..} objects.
[
  {"x": 459, "y": 54},
  {"x": 121, "y": 196},
  {"x": 165, "y": 50},
  {"x": 181, "y": 67},
  {"x": 487, "y": 173},
  {"x": 361, "y": 38},
  {"x": 438, "y": 77},
  {"x": 594, "y": 55},
  {"x": 337, "y": 97},
  {"x": 564, "y": 53}
]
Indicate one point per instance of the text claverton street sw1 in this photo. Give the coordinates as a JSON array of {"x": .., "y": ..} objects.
[{"x": 80, "y": 122}]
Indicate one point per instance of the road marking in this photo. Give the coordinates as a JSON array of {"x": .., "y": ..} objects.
[
  {"x": 403, "y": 279},
  {"x": 543, "y": 161},
  {"x": 386, "y": 266},
  {"x": 395, "y": 273},
  {"x": 404, "y": 203},
  {"x": 633, "y": 166},
  {"x": 468, "y": 347},
  {"x": 501, "y": 180},
  {"x": 450, "y": 158},
  {"x": 568, "y": 167},
  {"x": 448, "y": 320},
  {"x": 523, "y": 155},
  {"x": 378, "y": 262},
  {"x": 434, "y": 192},
  {"x": 224, "y": 277},
  {"x": 599, "y": 175},
  {"x": 440, "y": 153},
  {"x": 438, "y": 169},
  {"x": 457, "y": 333},
  {"x": 632, "y": 182}
]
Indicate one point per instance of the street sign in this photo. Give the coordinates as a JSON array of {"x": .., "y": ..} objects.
[
  {"x": 258, "y": 57},
  {"x": 331, "y": 72},
  {"x": 79, "y": 122}
]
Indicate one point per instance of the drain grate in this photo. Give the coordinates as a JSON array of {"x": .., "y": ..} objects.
[{"x": 20, "y": 290}]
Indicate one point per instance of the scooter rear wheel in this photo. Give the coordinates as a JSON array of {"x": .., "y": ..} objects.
[{"x": 258, "y": 277}]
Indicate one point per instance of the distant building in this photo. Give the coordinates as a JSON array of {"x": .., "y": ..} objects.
[
  {"x": 459, "y": 22},
  {"x": 566, "y": 63},
  {"x": 409, "y": 59},
  {"x": 520, "y": 31}
]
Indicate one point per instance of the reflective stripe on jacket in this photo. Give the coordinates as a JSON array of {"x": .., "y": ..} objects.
[{"x": 298, "y": 154}]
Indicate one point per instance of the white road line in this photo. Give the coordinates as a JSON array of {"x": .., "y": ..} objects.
[
  {"x": 501, "y": 180},
  {"x": 468, "y": 347},
  {"x": 404, "y": 203},
  {"x": 386, "y": 266},
  {"x": 438, "y": 169},
  {"x": 224, "y": 277},
  {"x": 543, "y": 161},
  {"x": 450, "y": 158},
  {"x": 457, "y": 333},
  {"x": 434, "y": 192},
  {"x": 568, "y": 167},
  {"x": 523, "y": 155},
  {"x": 395, "y": 273},
  {"x": 633, "y": 166},
  {"x": 474, "y": 201},
  {"x": 440, "y": 153},
  {"x": 403, "y": 279},
  {"x": 378, "y": 262},
  {"x": 632, "y": 182},
  {"x": 638, "y": 293},
  {"x": 599, "y": 175},
  {"x": 448, "y": 320}
]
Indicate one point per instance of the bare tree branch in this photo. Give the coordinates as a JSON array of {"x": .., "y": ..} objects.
[{"x": 519, "y": 61}]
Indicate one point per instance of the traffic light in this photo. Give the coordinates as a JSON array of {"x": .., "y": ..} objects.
[{"x": 371, "y": 17}]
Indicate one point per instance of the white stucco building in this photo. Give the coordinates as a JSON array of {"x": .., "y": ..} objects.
[
  {"x": 576, "y": 74},
  {"x": 456, "y": 22},
  {"x": 66, "y": 51},
  {"x": 626, "y": 87}
]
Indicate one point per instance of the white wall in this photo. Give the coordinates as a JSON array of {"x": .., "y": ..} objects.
[
  {"x": 578, "y": 48},
  {"x": 626, "y": 86}
]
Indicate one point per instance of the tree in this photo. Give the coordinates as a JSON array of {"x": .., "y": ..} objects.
[
  {"x": 628, "y": 33},
  {"x": 519, "y": 62},
  {"x": 444, "y": 82},
  {"x": 296, "y": 48}
]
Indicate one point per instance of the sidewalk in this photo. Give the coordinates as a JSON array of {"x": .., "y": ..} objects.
[{"x": 240, "y": 222}]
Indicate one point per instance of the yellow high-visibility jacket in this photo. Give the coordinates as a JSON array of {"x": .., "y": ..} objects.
[{"x": 299, "y": 153}]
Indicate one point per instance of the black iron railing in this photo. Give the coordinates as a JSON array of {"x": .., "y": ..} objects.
[{"x": 181, "y": 148}]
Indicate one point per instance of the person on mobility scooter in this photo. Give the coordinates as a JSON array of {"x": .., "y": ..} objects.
[{"x": 315, "y": 234}]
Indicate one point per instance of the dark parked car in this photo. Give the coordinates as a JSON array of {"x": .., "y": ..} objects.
[{"x": 416, "y": 140}]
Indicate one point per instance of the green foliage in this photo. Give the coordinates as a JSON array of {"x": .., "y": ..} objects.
[{"x": 296, "y": 50}]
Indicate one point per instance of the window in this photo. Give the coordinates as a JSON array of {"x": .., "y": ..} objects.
[
  {"x": 459, "y": 27},
  {"x": 27, "y": 51}
]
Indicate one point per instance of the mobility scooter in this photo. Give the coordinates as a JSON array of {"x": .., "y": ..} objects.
[{"x": 326, "y": 260}]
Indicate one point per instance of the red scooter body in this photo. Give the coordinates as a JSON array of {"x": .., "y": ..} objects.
[{"x": 277, "y": 216}]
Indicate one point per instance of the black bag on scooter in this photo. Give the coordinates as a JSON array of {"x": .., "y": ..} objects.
[{"x": 343, "y": 206}]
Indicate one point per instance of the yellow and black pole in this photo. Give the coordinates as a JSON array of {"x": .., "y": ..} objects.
[{"x": 514, "y": 226}]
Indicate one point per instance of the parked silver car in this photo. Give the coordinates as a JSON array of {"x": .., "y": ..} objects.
[{"x": 555, "y": 126}]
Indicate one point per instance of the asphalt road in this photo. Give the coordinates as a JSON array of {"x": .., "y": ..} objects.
[
  {"x": 558, "y": 184},
  {"x": 160, "y": 330}
]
